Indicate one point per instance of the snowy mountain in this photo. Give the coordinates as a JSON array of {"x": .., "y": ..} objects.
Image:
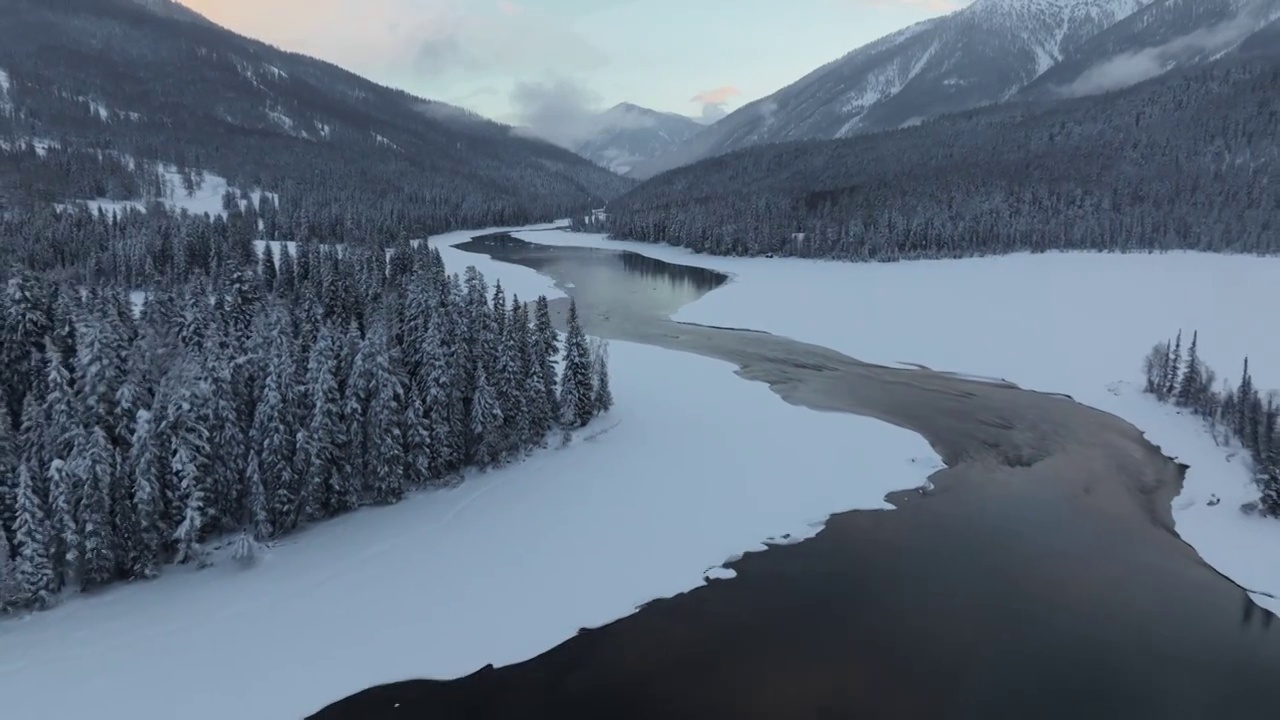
[
  {"x": 1162, "y": 36},
  {"x": 978, "y": 55},
  {"x": 626, "y": 134},
  {"x": 153, "y": 80},
  {"x": 172, "y": 9}
]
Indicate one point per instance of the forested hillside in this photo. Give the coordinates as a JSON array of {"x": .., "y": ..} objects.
[
  {"x": 136, "y": 85},
  {"x": 251, "y": 396},
  {"x": 1188, "y": 160}
]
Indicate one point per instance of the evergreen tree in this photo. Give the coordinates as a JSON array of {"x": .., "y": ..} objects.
[
  {"x": 576, "y": 391},
  {"x": 94, "y": 471},
  {"x": 384, "y": 439},
  {"x": 1192, "y": 378},
  {"x": 286, "y": 273},
  {"x": 486, "y": 421},
  {"x": 34, "y": 569},
  {"x": 273, "y": 437},
  {"x": 1172, "y": 368},
  {"x": 146, "y": 465},
  {"x": 547, "y": 348},
  {"x": 602, "y": 398},
  {"x": 319, "y": 442},
  {"x": 256, "y": 514},
  {"x": 9, "y": 597},
  {"x": 268, "y": 268}
]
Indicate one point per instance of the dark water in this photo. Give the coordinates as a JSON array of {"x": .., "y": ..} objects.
[
  {"x": 1042, "y": 578},
  {"x": 623, "y": 282}
]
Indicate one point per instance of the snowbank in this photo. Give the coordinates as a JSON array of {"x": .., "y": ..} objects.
[
  {"x": 206, "y": 199},
  {"x": 693, "y": 466},
  {"x": 1074, "y": 323}
]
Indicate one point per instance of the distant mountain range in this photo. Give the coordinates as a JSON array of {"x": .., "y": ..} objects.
[
  {"x": 992, "y": 51},
  {"x": 151, "y": 80},
  {"x": 1184, "y": 160},
  {"x": 628, "y": 134}
]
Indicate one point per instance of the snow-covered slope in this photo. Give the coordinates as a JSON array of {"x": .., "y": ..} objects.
[
  {"x": 627, "y": 134},
  {"x": 1162, "y": 36},
  {"x": 975, "y": 56}
]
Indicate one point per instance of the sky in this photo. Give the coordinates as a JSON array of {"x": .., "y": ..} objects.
[{"x": 508, "y": 59}]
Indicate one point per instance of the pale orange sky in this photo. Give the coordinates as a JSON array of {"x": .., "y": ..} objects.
[{"x": 657, "y": 53}]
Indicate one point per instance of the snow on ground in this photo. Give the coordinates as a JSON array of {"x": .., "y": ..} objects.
[
  {"x": 693, "y": 466},
  {"x": 206, "y": 199},
  {"x": 1074, "y": 323}
]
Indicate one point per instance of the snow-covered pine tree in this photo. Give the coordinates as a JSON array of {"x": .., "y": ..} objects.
[
  {"x": 226, "y": 431},
  {"x": 326, "y": 485},
  {"x": 511, "y": 379},
  {"x": 189, "y": 465},
  {"x": 268, "y": 270},
  {"x": 8, "y": 573},
  {"x": 34, "y": 570},
  {"x": 65, "y": 493},
  {"x": 1173, "y": 369},
  {"x": 256, "y": 513},
  {"x": 146, "y": 464},
  {"x": 383, "y": 423},
  {"x": 286, "y": 273},
  {"x": 576, "y": 385},
  {"x": 417, "y": 442},
  {"x": 1187, "y": 393},
  {"x": 1156, "y": 368},
  {"x": 547, "y": 346},
  {"x": 273, "y": 434},
  {"x": 486, "y": 421},
  {"x": 602, "y": 395},
  {"x": 439, "y": 380},
  {"x": 94, "y": 468}
]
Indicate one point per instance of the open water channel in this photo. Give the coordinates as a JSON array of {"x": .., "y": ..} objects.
[{"x": 1040, "y": 578}]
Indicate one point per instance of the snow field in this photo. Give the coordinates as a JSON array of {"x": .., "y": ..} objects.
[
  {"x": 1074, "y": 323},
  {"x": 687, "y": 471}
]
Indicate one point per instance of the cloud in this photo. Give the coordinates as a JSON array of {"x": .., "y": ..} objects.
[
  {"x": 568, "y": 113},
  {"x": 713, "y": 102},
  {"x": 436, "y": 40},
  {"x": 1131, "y": 68}
]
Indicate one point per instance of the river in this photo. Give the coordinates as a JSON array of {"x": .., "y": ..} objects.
[{"x": 1041, "y": 577}]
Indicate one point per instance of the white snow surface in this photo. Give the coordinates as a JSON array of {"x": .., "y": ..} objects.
[
  {"x": 1073, "y": 323},
  {"x": 206, "y": 199},
  {"x": 692, "y": 467}
]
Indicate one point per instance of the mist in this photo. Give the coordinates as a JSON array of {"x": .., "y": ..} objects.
[
  {"x": 1132, "y": 68},
  {"x": 567, "y": 113}
]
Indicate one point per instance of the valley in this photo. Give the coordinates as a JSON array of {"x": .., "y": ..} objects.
[{"x": 370, "y": 361}]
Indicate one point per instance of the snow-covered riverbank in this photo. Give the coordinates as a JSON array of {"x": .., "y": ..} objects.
[
  {"x": 692, "y": 467},
  {"x": 1072, "y": 323}
]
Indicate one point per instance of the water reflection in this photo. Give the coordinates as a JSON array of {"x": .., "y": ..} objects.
[{"x": 610, "y": 281}]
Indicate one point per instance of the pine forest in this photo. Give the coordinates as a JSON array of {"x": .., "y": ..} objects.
[{"x": 247, "y": 394}]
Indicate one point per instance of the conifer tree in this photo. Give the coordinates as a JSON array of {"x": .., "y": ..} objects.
[
  {"x": 94, "y": 471},
  {"x": 1192, "y": 378},
  {"x": 319, "y": 445},
  {"x": 1172, "y": 369},
  {"x": 145, "y": 466},
  {"x": 486, "y": 421},
  {"x": 546, "y": 344},
  {"x": 602, "y": 398},
  {"x": 256, "y": 514},
  {"x": 268, "y": 268},
  {"x": 286, "y": 273},
  {"x": 576, "y": 391},
  {"x": 8, "y": 573},
  {"x": 273, "y": 437},
  {"x": 383, "y": 425},
  {"x": 34, "y": 569}
]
